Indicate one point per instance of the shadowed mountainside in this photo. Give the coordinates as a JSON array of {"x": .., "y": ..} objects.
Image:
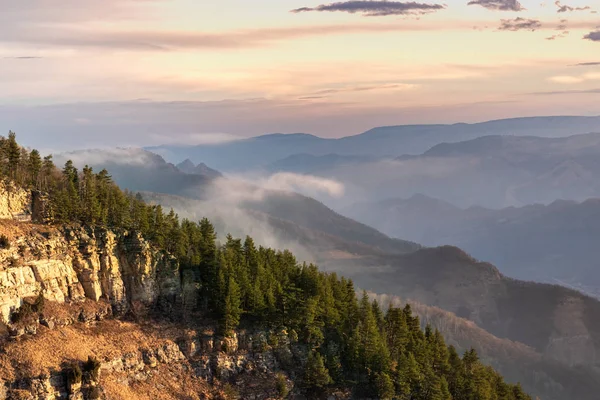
[{"x": 548, "y": 243}]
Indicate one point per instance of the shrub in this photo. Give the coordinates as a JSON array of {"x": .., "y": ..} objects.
[
  {"x": 38, "y": 304},
  {"x": 91, "y": 369},
  {"x": 293, "y": 335},
  {"x": 95, "y": 393},
  {"x": 23, "y": 312},
  {"x": 73, "y": 374},
  {"x": 28, "y": 309},
  {"x": 273, "y": 340},
  {"x": 230, "y": 392},
  {"x": 281, "y": 386},
  {"x": 225, "y": 347},
  {"x": 4, "y": 242}
]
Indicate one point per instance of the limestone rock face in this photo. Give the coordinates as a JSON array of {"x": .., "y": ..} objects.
[
  {"x": 15, "y": 203},
  {"x": 70, "y": 265}
]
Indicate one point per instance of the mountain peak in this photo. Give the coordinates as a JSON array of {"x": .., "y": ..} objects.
[{"x": 186, "y": 165}]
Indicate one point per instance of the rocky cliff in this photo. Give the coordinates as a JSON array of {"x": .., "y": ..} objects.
[
  {"x": 15, "y": 202},
  {"x": 162, "y": 361},
  {"x": 72, "y": 264}
]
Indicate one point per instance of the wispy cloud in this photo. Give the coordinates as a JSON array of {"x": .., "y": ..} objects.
[
  {"x": 161, "y": 41},
  {"x": 562, "y": 8},
  {"x": 587, "y": 64},
  {"x": 558, "y": 36},
  {"x": 565, "y": 92},
  {"x": 593, "y": 36},
  {"x": 375, "y": 8},
  {"x": 23, "y": 58},
  {"x": 194, "y": 139},
  {"x": 520, "y": 24},
  {"x": 307, "y": 184},
  {"x": 501, "y": 5},
  {"x": 561, "y": 27},
  {"x": 570, "y": 79},
  {"x": 397, "y": 86}
]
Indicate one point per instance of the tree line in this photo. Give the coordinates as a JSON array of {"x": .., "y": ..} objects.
[{"x": 352, "y": 343}]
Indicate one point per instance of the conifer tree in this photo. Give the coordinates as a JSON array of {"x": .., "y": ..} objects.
[
  {"x": 13, "y": 154},
  {"x": 48, "y": 168},
  {"x": 232, "y": 310},
  {"x": 316, "y": 376},
  {"x": 384, "y": 387},
  {"x": 35, "y": 166}
]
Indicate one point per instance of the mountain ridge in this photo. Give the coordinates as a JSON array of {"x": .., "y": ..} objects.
[{"x": 380, "y": 142}]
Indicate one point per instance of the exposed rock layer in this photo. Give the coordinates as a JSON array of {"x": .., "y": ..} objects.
[{"x": 73, "y": 264}]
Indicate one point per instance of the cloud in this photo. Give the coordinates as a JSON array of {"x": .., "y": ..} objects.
[
  {"x": 24, "y": 58},
  {"x": 593, "y": 36},
  {"x": 563, "y": 92},
  {"x": 587, "y": 64},
  {"x": 566, "y": 79},
  {"x": 312, "y": 97},
  {"x": 240, "y": 205},
  {"x": 569, "y": 79},
  {"x": 558, "y": 36},
  {"x": 399, "y": 86},
  {"x": 305, "y": 184},
  {"x": 256, "y": 187},
  {"x": 561, "y": 27},
  {"x": 565, "y": 8},
  {"x": 194, "y": 139},
  {"x": 519, "y": 24},
  {"x": 502, "y": 5},
  {"x": 111, "y": 155},
  {"x": 161, "y": 41},
  {"x": 375, "y": 8}
]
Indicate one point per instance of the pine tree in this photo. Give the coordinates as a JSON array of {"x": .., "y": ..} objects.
[
  {"x": 444, "y": 390},
  {"x": 408, "y": 377},
  {"x": 90, "y": 208},
  {"x": 13, "y": 154},
  {"x": 313, "y": 325},
  {"x": 48, "y": 169},
  {"x": 316, "y": 376},
  {"x": 397, "y": 332},
  {"x": 35, "y": 166},
  {"x": 456, "y": 372},
  {"x": 232, "y": 310},
  {"x": 384, "y": 387}
]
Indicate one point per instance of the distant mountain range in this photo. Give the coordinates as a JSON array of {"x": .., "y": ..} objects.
[
  {"x": 308, "y": 163},
  {"x": 490, "y": 171},
  {"x": 259, "y": 152},
  {"x": 546, "y": 243}
]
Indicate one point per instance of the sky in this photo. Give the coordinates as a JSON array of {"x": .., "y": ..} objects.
[{"x": 79, "y": 74}]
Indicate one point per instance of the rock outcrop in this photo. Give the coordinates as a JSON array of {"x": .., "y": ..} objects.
[
  {"x": 15, "y": 202},
  {"x": 72, "y": 264},
  {"x": 250, "y": 365}
]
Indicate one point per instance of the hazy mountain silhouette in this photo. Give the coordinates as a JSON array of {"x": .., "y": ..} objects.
[
  {"x": 548, "y": 243},
  {"x": 259, "y": 152},
  {"x": 491, "y": 171}
]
